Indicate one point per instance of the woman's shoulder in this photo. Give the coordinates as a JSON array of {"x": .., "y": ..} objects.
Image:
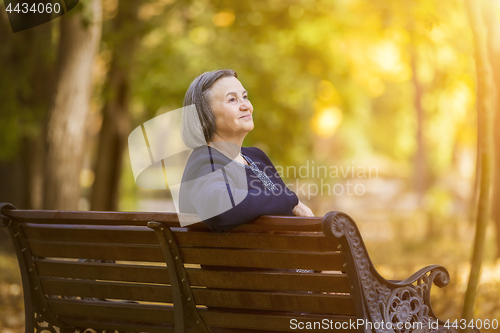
[
  {"x": 207, "y": 154},
  {"x": 205, "y": 159}
]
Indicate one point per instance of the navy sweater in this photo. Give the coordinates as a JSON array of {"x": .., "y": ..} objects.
[{"x": 213, "y": 183}]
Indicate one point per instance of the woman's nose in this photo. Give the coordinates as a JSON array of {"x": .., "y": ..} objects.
[{"x": 245, "y": 105}]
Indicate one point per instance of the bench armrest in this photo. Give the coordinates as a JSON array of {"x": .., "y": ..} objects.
[
  {"x": 422, "y": 281},
  {"x": 380, "y": 300},
  {"x": 5, "y": 220},
  {"x": 441, "y": 278}
]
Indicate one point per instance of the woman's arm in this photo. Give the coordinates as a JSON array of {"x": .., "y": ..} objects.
[
  {"x": 223, "y": 202},
  {"x": 300, "y": 209}
]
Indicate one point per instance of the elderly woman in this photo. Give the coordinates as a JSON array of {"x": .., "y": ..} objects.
[{"x": 224, "y": 183}]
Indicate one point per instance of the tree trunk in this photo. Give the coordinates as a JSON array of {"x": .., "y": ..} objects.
[
  {"x": 116, "y": 123},
  {"x": 420, "y": 160},
  {"x": 79, "y": 39},
  {"x": 485, "y": 98},
  {"x": 477, "y": 181},
  {"x": 27, "y": 62},
  {"x": 421, "y": 181},
  {"x": 42, "y": 86},
  {"x": 494, "y": 50}
]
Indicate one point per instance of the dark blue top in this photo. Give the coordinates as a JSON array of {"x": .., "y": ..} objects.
[{"x": 211, "y": 182}]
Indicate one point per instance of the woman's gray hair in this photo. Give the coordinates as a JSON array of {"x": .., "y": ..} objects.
[{"x": 198, "y": 121}]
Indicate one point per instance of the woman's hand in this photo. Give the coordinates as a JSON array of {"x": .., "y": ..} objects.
[{"x": 302, "y": 210}]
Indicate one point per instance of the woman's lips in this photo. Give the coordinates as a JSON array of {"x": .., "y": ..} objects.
[{"x": 246, "y": 116}]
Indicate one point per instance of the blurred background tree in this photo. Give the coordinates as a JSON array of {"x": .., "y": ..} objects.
[
  {"x": 388, "y": 86},
  {"x": 493, "y": 26},
  {"x": 80, "y": 35},
  {"x": 486, "y": 98},
  {"x": 123, "y": 34},
  {"x": 26, "y": 85}
]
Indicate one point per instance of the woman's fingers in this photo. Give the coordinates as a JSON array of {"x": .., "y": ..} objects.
[{"x": 302, "y": 210}]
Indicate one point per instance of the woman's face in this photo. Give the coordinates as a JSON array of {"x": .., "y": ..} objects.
[{"x": 231, "y": 108}]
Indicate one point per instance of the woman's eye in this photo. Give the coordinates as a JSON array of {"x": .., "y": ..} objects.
[
  {"x": 232, "y": 99},
  {"x": 245, "y": 97}
]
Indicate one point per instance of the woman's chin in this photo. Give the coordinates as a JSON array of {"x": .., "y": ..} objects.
[
  {"x": 249, "y": 125},
  {"x": 246, "y": 123}
]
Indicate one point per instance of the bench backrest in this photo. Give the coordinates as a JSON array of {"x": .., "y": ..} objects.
[
  {"x": 249, "y": 280},
  {"x": 101, "y": 270}
]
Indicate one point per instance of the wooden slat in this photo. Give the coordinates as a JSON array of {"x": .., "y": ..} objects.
[
  {"x": 285, "y": 223},
  {"x": 144, "y": 235},
  {"x": 123, "y": 325},
  {"x": 102, "y": 271},
  {"x": 143, "y": 327},
  {"x": 263, "y": 259},
  {"x": 89, "y": 233},
  {"x": 197, "y": 277},
  {"x": 120, "y": 325},
  {"x": 203, "y": 256},
  {"x": 237, "y": 319},
  {"x": 92, "y": 218},
  {"x": 270, "y": 281},
  {"x": 293, "y": 242},
  {"x": 263, "y": 223},
  {"x": 111, "y": 310},
  {"x": 266, "y": 320},
  {"x": 103, "y": 289},
  {"x": 298, "y": 301},
  {"x": 96, "y": 251},
  {"x": 258, "y": 300},
  {"x": 234, "y": 330}
]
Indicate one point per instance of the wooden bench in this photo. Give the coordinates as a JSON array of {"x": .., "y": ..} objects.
[{"x": 141, "y": 272}]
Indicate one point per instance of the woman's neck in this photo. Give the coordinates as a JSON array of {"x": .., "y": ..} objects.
[
  {"x": 229, "y": 147},
  {"x": 230, "y": 150},
  {"x": 232, "y": 140}
]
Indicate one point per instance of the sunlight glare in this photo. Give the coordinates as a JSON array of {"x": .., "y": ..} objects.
[{"x": 326, "y": 121}]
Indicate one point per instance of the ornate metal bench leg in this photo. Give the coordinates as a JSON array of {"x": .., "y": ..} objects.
[{"x": 44, "y": 326}]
